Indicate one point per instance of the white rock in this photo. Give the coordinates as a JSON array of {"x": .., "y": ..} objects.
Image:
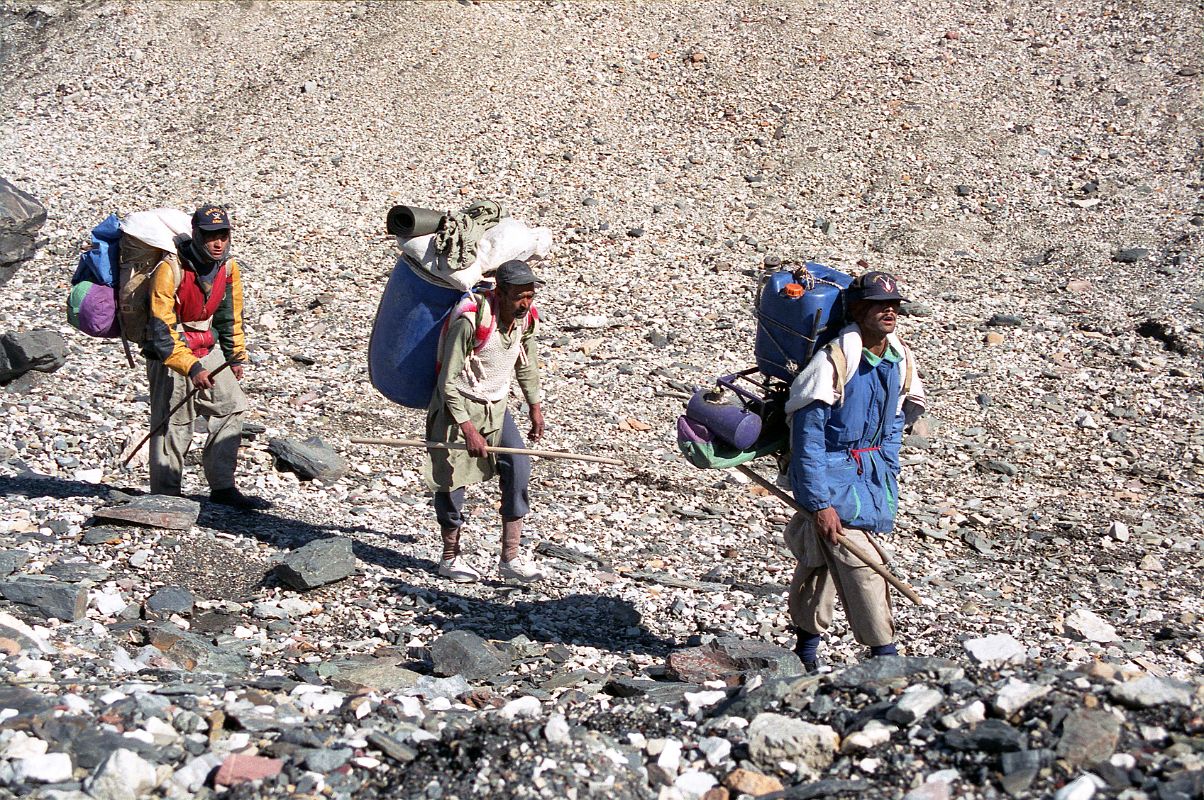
[
  {"x": 108, "y": 602},
  {"x": 556, "y": 730},
  {"x": 1119, "y": 531},
  {"x": 1084, "y": 625},
  {"x": 22, "y": 745},
  {"x": 190, "y": 777},
  {"x": 774, "y": 738},
  {"x": 1015, "y": 694},
  {"x": 14, "y": 624},
  {"x": 124, "y": 775},
  {"x": 696, "y": 701},
  {"x": 45, "y": 768},
  {"x": 996, "y": 650},
  {"x": 715, "y": 749},
  {"x": 669, "y": 758},
  {"x": 969, "y": 714},
  {"x": 873, "y": 734},
  {"x": 914, "y": 704},
  {"x": 89, "y": 475},
  {"x": 526, "y": 706},
  {"x": 944, "y": 775},
  {"x": 694, "y": 784},
  {"x": 1082, "y": 788}
]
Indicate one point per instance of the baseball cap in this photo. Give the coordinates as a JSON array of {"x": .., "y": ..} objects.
[
  {"x": 875, "y": 286},
  {"x": 211, "y": 218},
  {"x": 516, "y": 273}
]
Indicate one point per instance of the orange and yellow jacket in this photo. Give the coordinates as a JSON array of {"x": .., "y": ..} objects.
[{"x": 189, "y": 315}]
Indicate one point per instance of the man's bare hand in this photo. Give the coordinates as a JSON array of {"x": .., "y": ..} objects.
[
  {"x": 202, "y": 380},
  {"x": 474, "y": 440},
  {"x": 536, "y": 422},
  {"x": 827, "y": 524},
  {"x": 237, "y": 370}
]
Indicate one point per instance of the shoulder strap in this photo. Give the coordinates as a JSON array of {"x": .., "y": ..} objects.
[
  {"x": 909, "y": 369},
  {"x": 840, "y": 366},
  {"x": 484, "y": 321}
]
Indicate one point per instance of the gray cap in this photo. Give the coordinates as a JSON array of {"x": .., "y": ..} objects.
[{"x": 516, "y": 273}]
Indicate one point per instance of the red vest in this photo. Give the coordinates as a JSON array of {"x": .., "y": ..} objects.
[{"x": 193, "y": 306}]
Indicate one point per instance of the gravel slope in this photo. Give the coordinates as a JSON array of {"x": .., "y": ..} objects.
[{"x": 999, "y": 157}]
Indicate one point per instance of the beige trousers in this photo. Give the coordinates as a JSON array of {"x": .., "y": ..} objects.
[
  {"x": 222, "y": 406},
  {"x": 825, "y": 571}
]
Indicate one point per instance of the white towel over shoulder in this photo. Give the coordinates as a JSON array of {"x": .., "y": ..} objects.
[{"x": 818, "y": 380}]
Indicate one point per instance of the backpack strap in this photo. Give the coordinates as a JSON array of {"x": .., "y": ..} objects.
[
  {"x": 909, "y": 369},
  {"x": 840, "y": 365}
]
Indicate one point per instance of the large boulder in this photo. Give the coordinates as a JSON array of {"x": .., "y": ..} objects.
[
  {"x": 310, "y": 459},
  {"x": 318, "y": 563},
  {"x": 21, "y": 217},
  {"x": 41, "y": 350}
]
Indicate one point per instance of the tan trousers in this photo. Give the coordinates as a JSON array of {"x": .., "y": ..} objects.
[
  {"x": 223, "y": 406},
  {"x": 825, "y": 571}
]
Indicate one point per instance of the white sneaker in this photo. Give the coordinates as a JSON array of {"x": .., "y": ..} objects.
[
  {"x": 458, "y": 570},
  {"x": 519, "y": 570}
]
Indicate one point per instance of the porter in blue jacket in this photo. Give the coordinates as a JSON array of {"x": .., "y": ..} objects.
[{"x": 847, "y": 419}]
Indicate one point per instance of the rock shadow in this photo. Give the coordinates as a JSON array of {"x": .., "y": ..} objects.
[
  {"x": 587, "y": 620},
  {"x": 268, "y": 526},
  {"x": 289, "y": 533},
  {"x": 31, "y": 484}
]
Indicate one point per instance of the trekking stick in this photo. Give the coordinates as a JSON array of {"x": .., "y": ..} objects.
[
  {"x": 191, "y": 393},
  {"x": 907, "y": 591},
  {"x": 514, "y": 450}
]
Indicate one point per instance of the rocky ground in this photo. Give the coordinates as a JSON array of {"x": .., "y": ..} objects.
[{"x": 1032, "y": 172}]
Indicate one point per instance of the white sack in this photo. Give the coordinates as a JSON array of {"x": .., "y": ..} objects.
[
  {"x": 508, "y": 240},
  {"x": 425, "y": 260},
  {"x": 157, "y": 227}
]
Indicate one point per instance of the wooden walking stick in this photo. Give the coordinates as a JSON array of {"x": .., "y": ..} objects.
[
  {"x": 887, "y": 575},
  {"x": 514, "y": 450},
  {"x": 191, "y": 393}
]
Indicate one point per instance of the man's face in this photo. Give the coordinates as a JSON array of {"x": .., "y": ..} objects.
[
  {"x": 215, "y": 242},
  {"x": 878, "y": 317},
  {"x": 517, "y": 300}
]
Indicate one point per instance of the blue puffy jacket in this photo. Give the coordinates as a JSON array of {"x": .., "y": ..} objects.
[{"x": 832, "y": 463}]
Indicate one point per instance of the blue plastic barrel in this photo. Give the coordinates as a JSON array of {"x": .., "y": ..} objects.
[
  {"x": 405, "y": 336},
  {"x": 791, "y": 329}
]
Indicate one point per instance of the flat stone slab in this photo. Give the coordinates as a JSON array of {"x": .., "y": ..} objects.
[
  {"x": 1151, "y": 691},
  {"x": 996, "y": 650},
  {"x": 170, "y": 600},
  {"x": 46, "y": 596},
  {"x": 732, "y": 657},
  {"x": 155, "y": 511},
  {"x": 890, "y": 669},
  {"x": 381, "y": 674}
]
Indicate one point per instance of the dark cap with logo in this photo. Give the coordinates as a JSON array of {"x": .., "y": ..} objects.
[
  {"x": 516, "y": 273},
  {"x": 875, "y": 287},
  {"x": 211, "y": 218}
]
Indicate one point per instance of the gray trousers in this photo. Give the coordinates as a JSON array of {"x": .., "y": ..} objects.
[
  {"x": 514, "y": 476},
  {"x": 222, "y": 406},
  {"x": 826, "y": 571}
]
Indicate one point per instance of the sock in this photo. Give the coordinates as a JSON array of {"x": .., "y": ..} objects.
[
  {"x": 808, "y": 645},
  {"x": 884, "y": 650},
  {"x": 451, "y": 543},
  {"x": 512, "y": 532}
]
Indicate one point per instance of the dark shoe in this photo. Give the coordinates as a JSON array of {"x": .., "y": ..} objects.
[
  {"x": 811, "y": 667},
  {"x": 236, "y": 499}
]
